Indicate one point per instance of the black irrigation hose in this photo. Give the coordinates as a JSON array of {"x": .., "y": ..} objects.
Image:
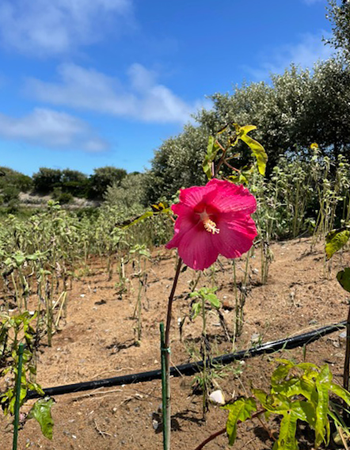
[{"x": 191, "y": 368}]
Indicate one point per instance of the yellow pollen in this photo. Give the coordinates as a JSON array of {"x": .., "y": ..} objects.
[{"x": 210, "y": 226}]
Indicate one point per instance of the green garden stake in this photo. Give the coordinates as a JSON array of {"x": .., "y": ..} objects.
[
  {"x": 164, "y": 386},
  {"x": 18, "y": 396}
]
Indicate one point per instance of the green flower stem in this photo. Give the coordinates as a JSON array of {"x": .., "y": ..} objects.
[
  {"x": 204, "y": 344},
  {"x": 167, "y": 423},
  {"x": 170, "y": 303},
  {"x": 18, "y": 395}
]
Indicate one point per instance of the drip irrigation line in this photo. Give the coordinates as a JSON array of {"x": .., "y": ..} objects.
[{"x": 191, "y": 368}]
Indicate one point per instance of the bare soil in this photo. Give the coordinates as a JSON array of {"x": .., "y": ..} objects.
[{"x": 98, "y": 341}]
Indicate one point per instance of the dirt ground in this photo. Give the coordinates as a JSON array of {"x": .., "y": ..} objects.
[{"x": 98, "y": 341}]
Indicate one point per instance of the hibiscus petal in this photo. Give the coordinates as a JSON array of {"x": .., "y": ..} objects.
[
  {"x": 202, "y": 211},
  {"x": 197, "y": 248},
  {"x": 186, "y": 220},
  {"x": 230, "y": 197},
  {"x": 194, "y": 195},
  {"x": 236, "y": 237}
]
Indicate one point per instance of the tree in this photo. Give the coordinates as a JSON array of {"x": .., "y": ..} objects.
[
  {"x": 104, "y": 177},
  {"x": 75, "y": 183},
  {"x": 327, "y": 116},
  {"x": 276, "y": 110},
  {"x": 69, "y": 176},
  {"x": 298, "y": 108},
  {"x": 46, "y": 180},
  {"x": 339, "y": 16},
  {"x": 10, "y": 177},
  {"x": 176, "y": 164},
  {"x": 129, "y": 192}
]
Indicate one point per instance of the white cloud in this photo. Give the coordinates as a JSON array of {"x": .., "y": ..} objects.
[
  {"x": 53, "y": 129},
  {"x": 45, "y": 27},
  {"x": 305, "y": 54},
  {"x": 142, "y": 98}
]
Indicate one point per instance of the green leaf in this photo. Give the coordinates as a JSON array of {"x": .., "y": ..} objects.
[
  {"x": 258, "y": 151},
  {"x": 22, "y": 395},
  {"x": 256, "y": 148},
  {"x": 41, "y": 412},
  {"x": 145, "y": 253},
  {"x": 305, "y": 411},
  {"x": 292, "y": 387},
  {"x": 303, "y": 384},
  {"x": 335, "y": 240},
  {"x": 243, "y": 176},
  {"x": 344, "y": 278},
  {"x": 322, "y": 429},
  {"x": 275, "y": 403},
  {"x": 241, "y": 410},
  {"x": 238, "y": 179},
  {"x": 307, "y": 389},
  {"x": 213, "y": 300},
  {"x": 339, "y": 423},
  {"x": 196, "y": 309},
  {"x": 286, "y": 439},
  {"x": 308, "y": 367},
  {"x": 261, "y": 396},
  {"x": 212, "y": 151},
  {"x": 278, "y": 404},
  {"x": 281, "y": 371},
  {"x": 247, "y": 128},
  {"x": 36, "y": 387},
  {"x": 340, "y": 392},
  {"x": 19, "y": 258}
]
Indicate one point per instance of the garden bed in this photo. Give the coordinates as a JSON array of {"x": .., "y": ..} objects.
[{"x": 98, "y": 341}]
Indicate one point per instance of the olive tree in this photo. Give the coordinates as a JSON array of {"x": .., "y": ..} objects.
[
  {"x": 129, "y": 192},
  {"x": 297, "y": 108},
  {"x": 339, "y": 16},
  {"x": 176, "y": 164},
  {"x": 104, "y": 177}
]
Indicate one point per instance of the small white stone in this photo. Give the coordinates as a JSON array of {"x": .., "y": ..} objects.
[{"x": 217, "y": 397}]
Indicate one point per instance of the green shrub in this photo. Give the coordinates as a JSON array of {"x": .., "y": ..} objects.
[
  {"x": 10, "y": 194},
  {"x": 64, "y": 198}
]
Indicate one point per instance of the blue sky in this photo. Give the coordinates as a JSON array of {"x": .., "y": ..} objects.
[{"x": 84, "y": 84}]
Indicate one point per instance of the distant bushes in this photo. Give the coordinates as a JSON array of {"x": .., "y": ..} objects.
[
  {"x": 11, "y": 184},
  {"x": 62, "y": 185},
  {"x": 66, "y": 184},
  {"x": 14, "y": 179}
]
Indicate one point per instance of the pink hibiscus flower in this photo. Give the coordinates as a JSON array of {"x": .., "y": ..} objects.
[{"x": 213, "y": 220}]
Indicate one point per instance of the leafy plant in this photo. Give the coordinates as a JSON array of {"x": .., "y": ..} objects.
[
  {"x": 139, "y": 254},
  {"x": 230, "y": 135},
  {"x": 335, "y": 241},
  {"x": 13, "y": 331},
  {"x": 204, "y": 296},
  {"x": 297, "y": 393}
]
